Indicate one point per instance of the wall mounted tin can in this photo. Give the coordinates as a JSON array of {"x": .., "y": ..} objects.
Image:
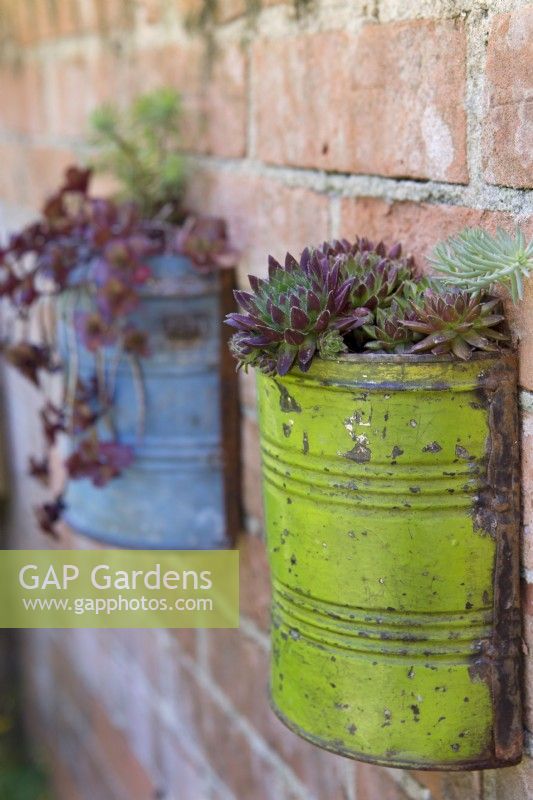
[
  {"x": 391, "y": 490},
  {"x": 182, "y": 490}
]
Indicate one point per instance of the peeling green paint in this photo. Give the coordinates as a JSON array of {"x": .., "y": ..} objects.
[{"x": 385, "y": 598}]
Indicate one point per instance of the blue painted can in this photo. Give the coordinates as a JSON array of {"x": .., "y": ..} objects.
[{"x": 176, "y": 493}]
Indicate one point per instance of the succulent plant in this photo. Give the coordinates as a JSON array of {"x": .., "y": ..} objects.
[
  {"x": 303, "y": 307},
  {"x": 204, "y": 240},
  {"x": 476, "y": 260},
  {"x": 388, "y": 334},
  {"x": 99, "y": 461},
  {"x": 380, "y": 274},
  {"x": 455, "y": 321}
]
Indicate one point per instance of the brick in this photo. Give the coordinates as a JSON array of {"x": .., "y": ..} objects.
[
  {"x": 264, "y": 216},
  {"x": 254, "y": 581},
  {"x": 27, "y": 23},
  {"x": 22, "y": 93},
  {"x": 149, "y": 12},
  {"x": 324, "y": 774},
  {"x": 107, "y": 16},
  {"x": 188, "y": 10},
  {"x": 527, "y": 633},
  {"x": 246, "y": 772},
  {"x": 229, "y": 10},
  {"x": 522, "y": 321},
  {"x": 40, "y": 20},
  {"x": 224, "y": 104},
  {"x": 82, "y": 718},
  {"x": 515, "y": 783},
  {"x": 445, "y": 786},
  {"x": 45, "y": 166},
  {"x": 14, "y": 173},
  {"x": 181, "y": 777},
  {"x": 62, "y": 19},
  {"x": 251, "y": 459},
  {"x": 247, "y": 390},
  {"x": 62, "y": 781},
  {"x": 386, "y": 113},
  {"x": 214, "y": 103},
  {"x": 373, "y": 782},
  {"x": 246, "y": 688},
  {"x": 420, "y": 226},
  {"x": 508, "y": 122},
  {"x": 186, "y": 639},
  {"x": 80, "y": 83},
  {"x": 115, "y": 749}
]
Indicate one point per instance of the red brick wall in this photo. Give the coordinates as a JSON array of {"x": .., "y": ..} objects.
[{"x": 395, "y": 118}]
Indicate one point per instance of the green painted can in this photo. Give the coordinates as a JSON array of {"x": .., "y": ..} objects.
[{"x": 391, "y": 490}]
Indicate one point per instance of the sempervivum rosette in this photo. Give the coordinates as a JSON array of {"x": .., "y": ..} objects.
[
  {"x": 302, "y": 308},
  {"x": 456, "y": 321},
  {"x": 389, "y": 334}
]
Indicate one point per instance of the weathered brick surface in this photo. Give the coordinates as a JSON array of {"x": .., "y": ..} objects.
[
  {"x": 372, "y": 783},
  {"x": 508, "y": 132},
  {"x": 522, "y": 316},
  {"x": 88, "y": 80},
  {"x": 324, "y": 774},
  {"x": 233, "y": 758},
  {"x": 38, "y": 21},
  {"x": 215, "y": 114},
  {"x": 509, "y": 784},
  {"x": 264, "y": 215},
  {"x": 254, "y": 581},
  {"x": 422, "y": 225},
  {"x": 385, "y": 113},
  {"x": 29, "y": 175},
  {"x": 252, "y": 497},
  {"x": 444, "y": 786},
  {"x": 13, "y": 176},
  {"x": 22, "y": 95},
  {"x": 229, "y": 10}
]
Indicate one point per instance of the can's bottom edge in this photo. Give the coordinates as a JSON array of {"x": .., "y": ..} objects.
[
  {"x": 136, "y": 544},
  {"x": 382, "y": 761}
]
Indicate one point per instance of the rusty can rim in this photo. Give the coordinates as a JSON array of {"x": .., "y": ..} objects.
[
  {"x": 399, "y": 372},
  {"x": 418, "y": 358}
]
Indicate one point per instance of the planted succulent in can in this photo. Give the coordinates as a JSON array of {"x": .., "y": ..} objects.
[
  {"x": 391, "y": 504},
  {"x": 391, "y": 493},
  {"x": 147, "y": 409},
  {"x": 173, "y": 490}
]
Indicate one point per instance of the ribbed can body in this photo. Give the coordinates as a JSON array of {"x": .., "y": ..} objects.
[
  {"x": 173, "y": 495},
  {"x": 391, "y": 492}
]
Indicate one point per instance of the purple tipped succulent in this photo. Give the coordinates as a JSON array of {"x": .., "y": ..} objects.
[
  {"x": 456, "y": 321},
  {"x": 380, "y": 274},
  {"x": 389, "y": 334},
  {"x": 289, "y": 316}
]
